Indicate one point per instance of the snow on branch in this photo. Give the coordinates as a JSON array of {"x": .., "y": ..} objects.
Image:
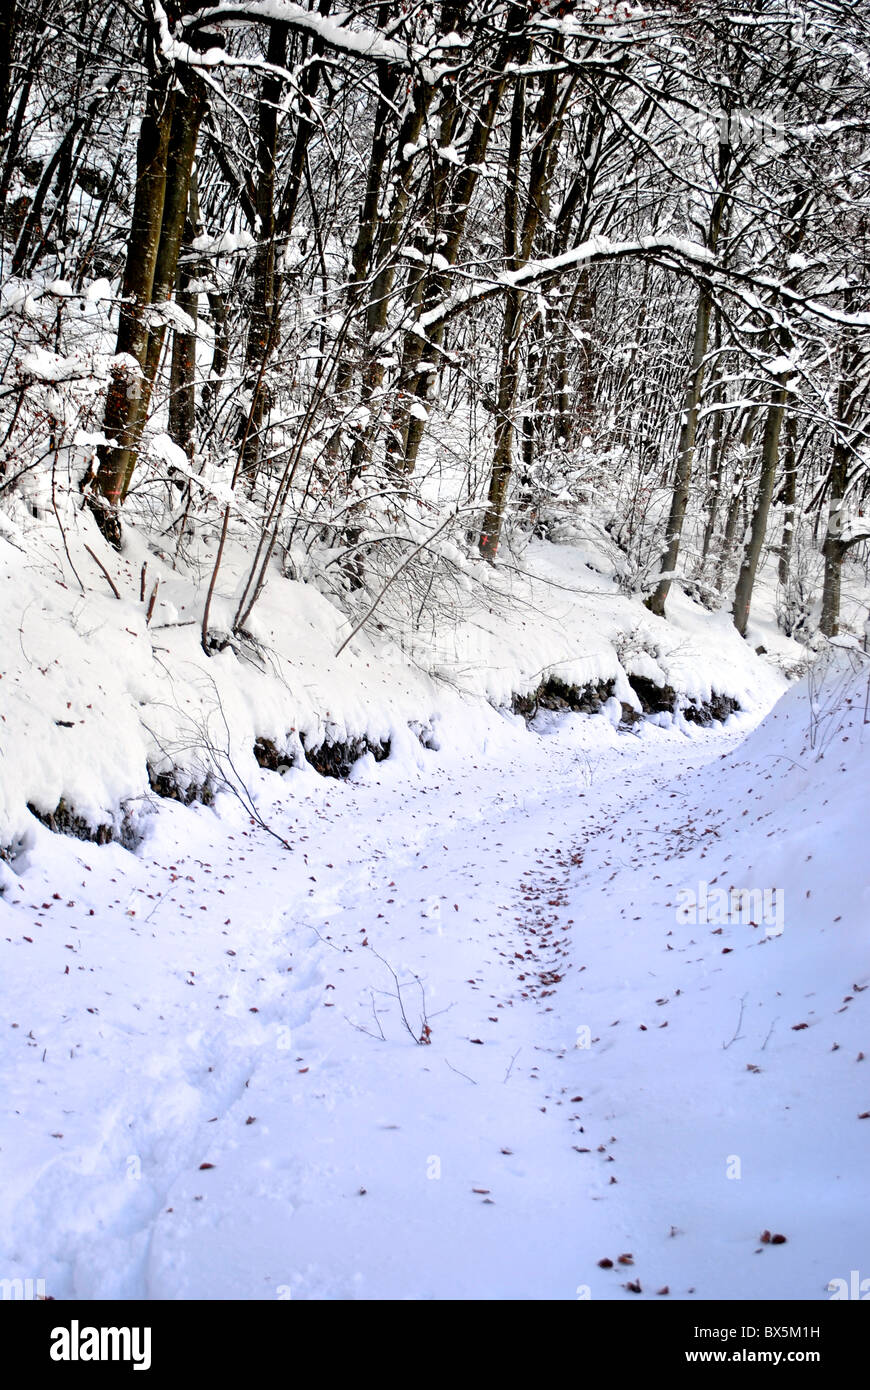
[
  {"x": 676, "y": 253},
  {"x": 590, "y": 252},
  {"x": 334, "y": 31}
]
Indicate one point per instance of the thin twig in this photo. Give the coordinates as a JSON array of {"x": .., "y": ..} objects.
[
  {"x": 109, "y": 578},
  {"x": 461, "y": 1073},
  {"x": 151, "y": 602},
  {"x": 769, "y": 1033},
  {"x": 424, "y": 1034},
  {"x": 397, "y": 571},
  {"x": 737, "y": 1034}
]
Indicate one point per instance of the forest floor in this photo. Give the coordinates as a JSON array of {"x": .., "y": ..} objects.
[{"x": 454, "y": 1042}]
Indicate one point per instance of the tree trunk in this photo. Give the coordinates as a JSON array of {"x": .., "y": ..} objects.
[
  {"x": 789, "y": 495},
  {"x": 686, "y": 448},
  {"x": 448, "y": 211},
  {"x": 502, "y": 463},
  {"x": 8, "y": 28},
  {"x": 732, "y": 521},
  {"x": 752, "y": 553},
  {"x": 121, "y": 410},
  {"x": 547, "y": 127},
  {"x": 835, "y": 547},
  {"x": 685, "y": 456},
  {"x": 263, "y": 321},
  {"x": 714, "y": 483},
  {"x": 182, "y": 380}
]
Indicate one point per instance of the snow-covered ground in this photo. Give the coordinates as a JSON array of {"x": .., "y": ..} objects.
[
  {"x": 454, "y": 1041},
  {"x": 92, "y": 694}
]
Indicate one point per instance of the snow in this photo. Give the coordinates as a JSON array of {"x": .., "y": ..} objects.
[
  {"x": 591, "y": 251},
  {"x": 594, "y": 1070},
  {"x": 567, "y": 1005},
  {"x": 50, "y": 366},
  {"x": 224, "y": 243},
  {"x": 138, "y": 695},
  {"x": 334, "y": 31},
  {"x": 218, "y": 994},
  {"x": 98, "y": 290}
]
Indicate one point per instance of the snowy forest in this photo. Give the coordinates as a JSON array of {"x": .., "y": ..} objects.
[
  {"x": 414, "y": 281},
  {"x": 422, "y": 423}
]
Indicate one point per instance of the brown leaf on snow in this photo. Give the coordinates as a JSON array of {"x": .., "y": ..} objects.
[
  {"x": 605, "y": 1263},
  {"x": 633, "y": 1286},
  {"x": 626, "y": 1259},
  {"x": 796, "y": 1027},
  {"x": 203, "y": 1166}
]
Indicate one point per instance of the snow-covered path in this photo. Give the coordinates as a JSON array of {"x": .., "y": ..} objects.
[{"x": 221, "y": 1099}]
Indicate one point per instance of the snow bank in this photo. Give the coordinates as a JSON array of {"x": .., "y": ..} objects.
[{"x": 92, "y": 696}]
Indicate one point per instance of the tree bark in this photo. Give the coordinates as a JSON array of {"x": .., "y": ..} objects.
[
  {"x": 449, "y": 207},
  {"x": 182, "y": 380},
  {"x": 121, "y": 410},
  {"x": 263, "y": 321},
  {"x": 691, "y": 405},
  {"x": 685, "y": 456},
  {"x": 761, "y": 512},
  {"x": 789, "y": 495},
  {"x": 547, "y": 127},
  {"x": 835, "y": 547}
]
